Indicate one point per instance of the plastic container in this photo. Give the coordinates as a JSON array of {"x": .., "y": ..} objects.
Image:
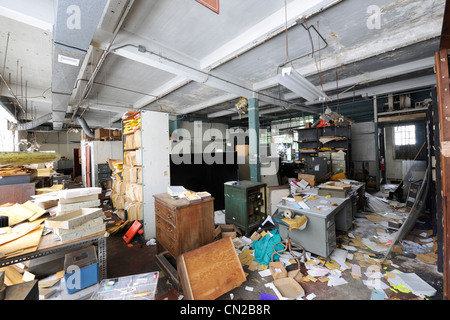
[{"x": 136, "y": 287}]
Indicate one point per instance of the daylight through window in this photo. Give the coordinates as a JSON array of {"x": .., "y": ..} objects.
[{"x": 405, "y": 135}]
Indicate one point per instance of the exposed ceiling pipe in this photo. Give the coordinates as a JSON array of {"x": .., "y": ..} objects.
[
  {"x": 85, "y": 127},
  {"x": 33, "y": 124},
  {"x": 89, "y": 85}
]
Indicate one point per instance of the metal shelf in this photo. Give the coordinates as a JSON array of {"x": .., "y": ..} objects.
[{"x": 99, "y": 239}]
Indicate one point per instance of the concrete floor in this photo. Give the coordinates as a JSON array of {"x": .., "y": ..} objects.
[{"x": 123, "y": 260}]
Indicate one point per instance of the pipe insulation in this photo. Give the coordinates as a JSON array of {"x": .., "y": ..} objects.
[
  {"x": 85, "y": 127},
  {"x": 33, "y": 124}
]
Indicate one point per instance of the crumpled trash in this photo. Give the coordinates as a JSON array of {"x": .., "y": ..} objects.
[{"x": 151, "y": 242}]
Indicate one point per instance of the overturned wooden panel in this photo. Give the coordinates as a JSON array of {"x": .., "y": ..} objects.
[{"x": 210, "y": 271}]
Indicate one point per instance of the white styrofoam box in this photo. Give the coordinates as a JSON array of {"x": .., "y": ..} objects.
[
  {"x": 78, "y": 199},
  {"x": 340, "y": 155},
  {"x": 219, "y": 217},
  {"x": 79, "y": 192},
  {"x": 74, "y": 219},
  {"x": 69, "y": 207},
  {"x": 91, "y": 227}
]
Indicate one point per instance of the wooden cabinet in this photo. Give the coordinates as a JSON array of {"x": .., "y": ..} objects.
[{"x": 182, "y": 226}]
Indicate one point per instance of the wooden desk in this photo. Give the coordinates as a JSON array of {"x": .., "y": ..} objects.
[{"x": 182, "y": 226}]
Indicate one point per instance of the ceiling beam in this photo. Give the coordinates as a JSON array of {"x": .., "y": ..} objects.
[
  {"x": 166, "y": 88},
  {"x": 253, "y": 37},
  {"x": 38, "y": 14},
  {"x": 382, "y": 74},
  {"x": 264, "y": 30},
  {"x": 140, "y": 50},
  {"x": 209, "y": 103},
  {"x": 393, "y": 87},
  {"x": 377, "y": 75}
]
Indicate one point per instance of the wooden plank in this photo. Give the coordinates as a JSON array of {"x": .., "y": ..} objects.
[
  {"x": 184, "y": 279},
  {"x": 210, "y": 271},
  {"x": 402, "y": 117},
  {"x": 168, "y": 268},
  {"x": 445, "y": 32},
  {"x": 443, "y": 92},
  {"x": 17, "y": 193}
]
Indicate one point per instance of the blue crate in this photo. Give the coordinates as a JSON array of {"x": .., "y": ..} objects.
[{"x": 86, "y": 260}]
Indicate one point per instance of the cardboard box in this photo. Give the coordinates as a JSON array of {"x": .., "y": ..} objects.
[
  {"x": 107, "y": 133},
  {"x": 129, "y": 142},
  {"x": 310, "y": 178},
  {"x": 101, "y": 133},
  {"x": 81, "y": 269},
  {"x": 44, "y": 172},
  {"x": 288, "y": 289},
  {"x": 296, "y": 275},
  {"x": 242, "y": 150},
  {"x": 225, "y": 231},
  {"x": 277, "y": 270}
]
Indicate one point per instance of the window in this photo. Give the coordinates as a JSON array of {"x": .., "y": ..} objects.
[
  {"x": 405, "y": 135},
  {"x": 405, "y": 142}
]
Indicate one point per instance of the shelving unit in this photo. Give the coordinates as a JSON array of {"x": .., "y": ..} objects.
[
  {"x": 324, "y": 142},
  {"x": 132, "y": 166}
]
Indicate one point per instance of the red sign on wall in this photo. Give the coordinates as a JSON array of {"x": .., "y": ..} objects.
[{"x": 210, "y": 4}]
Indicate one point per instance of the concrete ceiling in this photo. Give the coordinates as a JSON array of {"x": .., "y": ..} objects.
[{"x": 182, "y": 58}]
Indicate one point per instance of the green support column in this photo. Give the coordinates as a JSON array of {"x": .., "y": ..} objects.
[{"x": 253, "y": 129}]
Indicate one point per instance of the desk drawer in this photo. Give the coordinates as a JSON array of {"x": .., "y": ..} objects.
[
  {"x": 166, "y": 214},
  {"x": 167, "y": 242},
  {"x": 166, "y": 227}
]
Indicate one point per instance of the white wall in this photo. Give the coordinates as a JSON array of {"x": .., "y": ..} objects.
[
  {"x": 8, "y": 139},
  {"x": 62, "y": 143}
]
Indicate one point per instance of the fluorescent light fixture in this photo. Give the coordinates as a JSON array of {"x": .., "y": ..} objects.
[
  {"x": 292, "y": 80},
  {"x": 68, "y": 60}
]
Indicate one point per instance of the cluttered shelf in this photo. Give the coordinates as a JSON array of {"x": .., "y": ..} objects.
[{"x": 55, "y": 220}]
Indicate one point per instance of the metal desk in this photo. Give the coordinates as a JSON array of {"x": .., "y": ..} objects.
[
  {"x": 48, "y": 246},
  {"x": 319, "y": 236}
]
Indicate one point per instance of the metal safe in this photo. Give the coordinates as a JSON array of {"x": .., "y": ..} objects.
[{"x": 245, "y": 204}]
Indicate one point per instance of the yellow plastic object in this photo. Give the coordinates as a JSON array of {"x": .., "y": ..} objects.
[
  {"x": 298, "y": 222},
  {"x": 338, "y": 176}
]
